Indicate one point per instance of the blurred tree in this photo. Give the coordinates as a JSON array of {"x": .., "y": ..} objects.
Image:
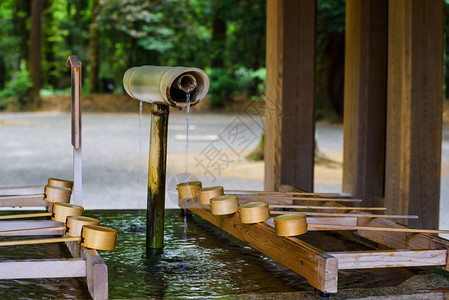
[{"x": 37, "y": 8}]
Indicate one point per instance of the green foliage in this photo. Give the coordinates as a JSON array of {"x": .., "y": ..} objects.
[
  {"x": 225, "y": 84},
  {"x": 16, "y": 87}
]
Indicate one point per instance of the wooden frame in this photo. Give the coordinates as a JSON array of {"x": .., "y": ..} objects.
[
  {"x": 85, "y": 262},
  {"x": 319, "y": 267}
]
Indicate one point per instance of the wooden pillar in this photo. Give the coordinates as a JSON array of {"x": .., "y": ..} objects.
[
  {"x": 290, "y": 123},
  {"x": 365, "y": 99},
  {"x": 414, "y": 109}
]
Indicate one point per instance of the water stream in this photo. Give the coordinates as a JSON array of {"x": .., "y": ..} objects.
[
  {"x": 140, "y": 179},
  {"x": 187, "y": 135}
]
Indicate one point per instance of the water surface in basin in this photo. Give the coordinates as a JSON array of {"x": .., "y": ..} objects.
[{"x": 198, "y": 261}]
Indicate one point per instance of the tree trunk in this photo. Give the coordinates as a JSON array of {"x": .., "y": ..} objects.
[
  {"x": 21, "y": 16},
  {"x": 37, "y": 8},
  {"x": 94, "y": 50},
  {"x": 218, "y": 40}
]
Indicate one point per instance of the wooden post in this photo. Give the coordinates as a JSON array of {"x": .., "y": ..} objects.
[
  {"x": 414, "y": 110},
  {"x": 365, "y": 99},
  {"x": 75, "y": 66},
  {"x": 290, "y": 122},
  {"x": 156, "y": 178}
]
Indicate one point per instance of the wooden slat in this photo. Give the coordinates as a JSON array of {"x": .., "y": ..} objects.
[
  {"x": 414, "y": 105},
  {"x": 289, "y": 105},
  {"x": 16, "y": 225},
  {"x": 96, "y": 270},
  {"x": 401, "y": 240},
  {"x": 395, "y": 240},
  {"x": 34, "y": 200},
  {"x": 365, "y": 99},
  {"x": 42, "y": 268},
  {"x": 389, "y": 259},
  {"x": 341, "y": 221},
  {"x": 315, "y": 265}
]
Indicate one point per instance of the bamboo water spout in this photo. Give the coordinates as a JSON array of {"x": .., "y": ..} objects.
[{"x": 163, "y": 87}]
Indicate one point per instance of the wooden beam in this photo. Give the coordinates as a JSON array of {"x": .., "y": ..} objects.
[
  {"x": 42, "y": 268},
  {"x": 28, "y": 224},
  {"x": 365, "y": 99},
  {"x": 315, "y": 265},
  {"x": 290, "y": 123},
  {"x": 27, "y": 200},
  {"x": 414, "y": 110},
  {"x": 394, "y": 240},
  {"x": 389, "y": 259},
  {"x": 96, "y": 270},
  {"x": 402, "y": 240}
]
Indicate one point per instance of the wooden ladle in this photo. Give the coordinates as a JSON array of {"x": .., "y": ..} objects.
[
  {"x": 296, "y": 224},
  {"x": 72, "y": 227},
  {"x": 92, "y": 236},
  {"x": 59, "y": 212}
]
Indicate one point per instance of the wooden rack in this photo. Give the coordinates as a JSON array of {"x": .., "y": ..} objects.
[
  {"x": 319, "y": 267},
  {"x": 84, "y": 262}
]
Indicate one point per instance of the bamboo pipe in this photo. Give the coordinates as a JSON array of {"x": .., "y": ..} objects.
[
  {"x": 273, "y": 212},
  {"x": 51, "y": 181},
  {"x": 92, "y": 236},
  {"x": 59, "y": 212},
  {"x": 51, "y": 194},
  {"x": 244, "y": 196},
  {"x": 283, "y": 193},
  {"x": 296, "y": 224},
  {"x": 72, "y": 227},
  {"x": 326, "y": 207}
]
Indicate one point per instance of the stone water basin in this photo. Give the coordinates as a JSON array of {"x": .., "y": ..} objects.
[{"x": 200, "y": 261}]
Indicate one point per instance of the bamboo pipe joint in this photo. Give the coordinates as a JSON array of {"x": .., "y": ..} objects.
[{"x": 166, "y": 85}]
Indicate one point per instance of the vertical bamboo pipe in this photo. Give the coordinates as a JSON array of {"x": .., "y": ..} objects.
[{"x": 156, "y": 178}]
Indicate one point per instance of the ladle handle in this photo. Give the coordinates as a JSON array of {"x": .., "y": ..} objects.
[
  {"x": 333, "y": 227},
  {"x": 46, "y": 214},
  {"x": 327, "y": 207},
  {"x": 40, "y": 241},
  {"x": 30, "y": 230},
  {"x": 282, "y": 193},
  {"x": 22, "y": 187},
  {"x": 280, "y": 198},
  {"x": 22, "y": 197}
]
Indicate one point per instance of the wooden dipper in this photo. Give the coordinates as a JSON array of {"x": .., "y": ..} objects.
[
  {"x": 254, "y": 212},
  {"x": 188, "y": 190},
  {"x": 290, "y": 224},
  {"x": 74, "y": 224},
  {"x": 57, "y": 194},
  {"x": 92, "y": 236},
  {"x": 51, "y": 194},
  {"x": 224, "y": 205},
  {"x": 73, "y": 227},
  {"x": 207, "y": 193},
  {"x": 59, "y": 212},
  {"x": 296, "y": 224},
  {"x": 60, "y": 182}
]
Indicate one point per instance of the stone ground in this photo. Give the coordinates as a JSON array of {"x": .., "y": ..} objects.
[{"x": 36, "y": 146}]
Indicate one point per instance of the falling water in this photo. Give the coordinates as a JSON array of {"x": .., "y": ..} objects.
[
  {"x": 140, "y": 140},
  {"x": 187, "y": 135}
]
